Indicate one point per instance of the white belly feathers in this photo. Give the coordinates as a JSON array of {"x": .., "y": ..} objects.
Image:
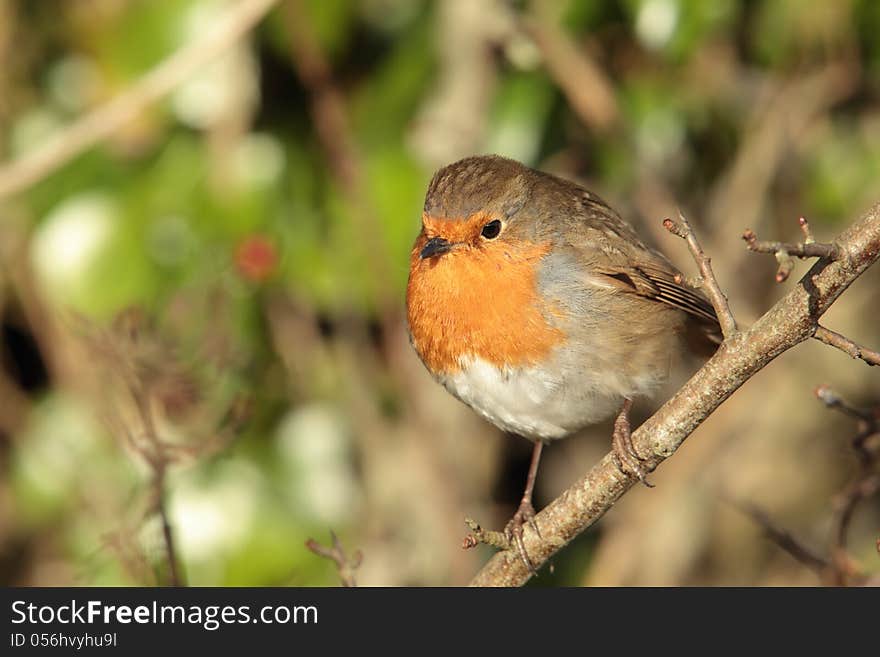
[{"x": 536, "y": 403}]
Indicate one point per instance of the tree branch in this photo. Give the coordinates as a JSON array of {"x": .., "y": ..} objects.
[
  {"x": 789, "y": 322},
  {"x": 102, "y": 122}
]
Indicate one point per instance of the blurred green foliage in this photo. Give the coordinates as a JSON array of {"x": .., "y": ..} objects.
[{"x": 224, "y": 196}]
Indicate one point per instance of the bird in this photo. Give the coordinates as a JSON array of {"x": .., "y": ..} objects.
[{"x": 533, "y": 302}]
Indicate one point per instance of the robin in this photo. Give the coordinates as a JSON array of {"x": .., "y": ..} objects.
[{"x": 534, "y": 303}]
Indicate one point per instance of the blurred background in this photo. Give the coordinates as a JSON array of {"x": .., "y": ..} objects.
[{"x": 202, "y": 338}]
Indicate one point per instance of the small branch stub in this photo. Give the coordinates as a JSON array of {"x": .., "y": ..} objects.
[{"x": 486, "y": 536}]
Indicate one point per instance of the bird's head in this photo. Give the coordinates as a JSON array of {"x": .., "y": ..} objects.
[{"x": 472, "y": 209}]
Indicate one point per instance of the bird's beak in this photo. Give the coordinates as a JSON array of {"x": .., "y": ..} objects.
[{"x": 434, "y": 247}]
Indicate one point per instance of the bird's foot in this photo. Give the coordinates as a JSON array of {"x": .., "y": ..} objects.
[
  {"x": 628, "y": 460},
  {"x": 512, "y": 536},
  {"x": 525, "y": 515}
]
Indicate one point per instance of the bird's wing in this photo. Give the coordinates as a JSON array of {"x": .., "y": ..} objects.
[
  {"x": 660, "y": 285},
  {"x": 625, "y": 262}
]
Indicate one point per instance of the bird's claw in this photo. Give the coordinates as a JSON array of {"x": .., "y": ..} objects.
[
  {"x": 628, "y": 460},
  {"x": 525, "y": 514}
]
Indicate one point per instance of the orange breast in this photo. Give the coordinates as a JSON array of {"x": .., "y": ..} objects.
[{"x": 478, "y": 301}]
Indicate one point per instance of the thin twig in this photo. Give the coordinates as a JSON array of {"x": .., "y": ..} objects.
[
  {"x": 831, "y": 399},
  {"x": 865, "y": 483},
  {"x": 102, "y": 122},
  {"x": 175, "y": 575},
  {"x": 345, "y": 565},
  {"x": 868, "y": 423},
  {"x": 785, "y": 252},
  {"x": 868, "y": 426},
  {"x": 854, "y": 350},
  {"x": 707, "y": 282},
  {"x": 785, "y": 539},
  {"x": 850, "y": 497},
  {"x": 841, "y": 568},
  {"x": 157, "y": 459},
  {"x": 147, "y": 443}
]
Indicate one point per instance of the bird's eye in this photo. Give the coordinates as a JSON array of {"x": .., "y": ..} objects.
[{"x": 491, "y": 230}]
